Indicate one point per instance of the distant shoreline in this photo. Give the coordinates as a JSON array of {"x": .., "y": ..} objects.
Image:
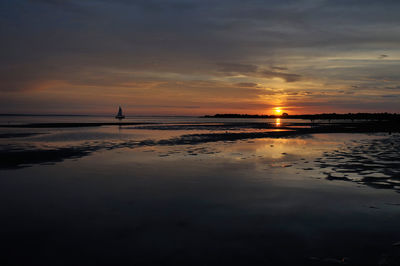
[
  {"x": 331, "y": 116},
  {"x": 65, "y": 125},
  {"x": 89, "y": 115}
]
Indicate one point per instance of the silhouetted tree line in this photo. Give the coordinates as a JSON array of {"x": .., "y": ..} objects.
[
  {"x": 236, "y": 116},
  {"x": 331, "y": 116}
]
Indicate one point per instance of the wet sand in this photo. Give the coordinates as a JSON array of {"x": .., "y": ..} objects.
[{"x": 374, "y": 163}]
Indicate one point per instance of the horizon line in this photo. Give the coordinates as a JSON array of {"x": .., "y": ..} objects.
[
  {"x": 204, "y": 115},
  {"x": 100, "y": 115}
]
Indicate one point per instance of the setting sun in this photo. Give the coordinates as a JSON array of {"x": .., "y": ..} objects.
[{"x": 278, "y": 110}]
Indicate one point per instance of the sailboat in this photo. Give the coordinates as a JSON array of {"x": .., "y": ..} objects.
[{"x": 119, "y": 114}]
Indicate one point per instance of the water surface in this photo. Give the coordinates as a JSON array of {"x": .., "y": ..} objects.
[{"x": 272, "y": 201}]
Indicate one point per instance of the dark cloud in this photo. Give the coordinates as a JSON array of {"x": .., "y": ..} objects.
[
  {"x": 255, "y": 71},
  {"x": 279, "y": 68},
  {"x": 393, "y": 88},
  {"x": 285, "y": 76},
  {"x": 247, "y": 84},
  {"x": 237, "y": 68}
]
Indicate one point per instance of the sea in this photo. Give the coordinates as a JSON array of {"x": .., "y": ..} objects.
[{"x": 161, "y": 190}]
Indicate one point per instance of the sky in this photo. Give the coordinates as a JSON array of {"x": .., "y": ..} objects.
[{"x": 197, "y": 57}]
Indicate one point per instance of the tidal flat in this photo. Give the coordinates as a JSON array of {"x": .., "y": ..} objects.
[{"x": 199, "y": 193}]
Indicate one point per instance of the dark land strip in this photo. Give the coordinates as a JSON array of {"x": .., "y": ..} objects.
[
  {"x": 67, "y": 125},
  {"x": 17, "y": 135}
]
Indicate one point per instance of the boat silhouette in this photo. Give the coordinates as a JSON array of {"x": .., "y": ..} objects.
[{"x": 119, "y": 114}]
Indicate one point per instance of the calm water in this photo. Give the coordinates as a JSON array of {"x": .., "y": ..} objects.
[
  {"x": 283, "y": 201},
  {"x": 7, "y": 119}
]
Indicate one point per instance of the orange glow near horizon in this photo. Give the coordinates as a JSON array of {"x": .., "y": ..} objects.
[{"x": 277, "y": 110}]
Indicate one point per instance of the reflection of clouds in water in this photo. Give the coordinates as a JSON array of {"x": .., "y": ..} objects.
[
  {"x": 24, "y": 154},
  {"x": 60, "y": 137},
  {"x": 368, "y": 160}
]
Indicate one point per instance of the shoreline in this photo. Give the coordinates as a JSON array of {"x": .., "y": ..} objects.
[{"x": 73, "y": 124}]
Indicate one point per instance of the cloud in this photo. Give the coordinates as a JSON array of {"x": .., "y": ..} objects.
[
  {"x": 313, "y": 45},
  {"x": 288, "y": 77},
  {"x": 279, "y": 68},
  {"x": 393, "y": 88},
  {"x": 256, "y": 71},
  {"x": 390, "y": 96},
  {"x": 247, "y": 84},
  {"x": 237, "y": 68}
]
